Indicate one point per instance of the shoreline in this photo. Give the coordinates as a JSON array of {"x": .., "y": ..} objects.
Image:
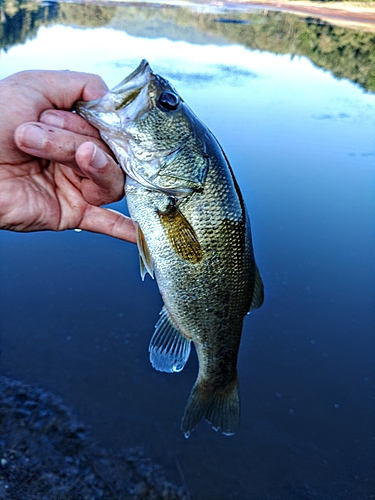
[{"x": 340, "y": 11}]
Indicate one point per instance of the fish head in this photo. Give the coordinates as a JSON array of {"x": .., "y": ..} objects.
[{"x": 146, "y": 124}]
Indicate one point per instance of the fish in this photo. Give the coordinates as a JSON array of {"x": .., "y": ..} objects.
[{"x": 193, "y": 236}]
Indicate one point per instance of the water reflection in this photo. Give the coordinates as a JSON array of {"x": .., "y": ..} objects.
[
  {"x": 76, "y": 318},
  {"x": 346, "y": 52}
]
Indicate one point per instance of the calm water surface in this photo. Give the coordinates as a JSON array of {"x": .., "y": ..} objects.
[{"x": 76, "y": 317}]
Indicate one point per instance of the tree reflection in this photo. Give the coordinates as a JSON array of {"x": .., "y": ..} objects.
[
  {"x": 347, "y": 53},
  {"x": 20, "y": 20}
]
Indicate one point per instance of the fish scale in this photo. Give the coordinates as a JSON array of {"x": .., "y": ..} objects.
[{"x": 193, "y": 234}]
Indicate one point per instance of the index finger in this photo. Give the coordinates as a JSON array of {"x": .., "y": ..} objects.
[{"x": 63, "y": 88}]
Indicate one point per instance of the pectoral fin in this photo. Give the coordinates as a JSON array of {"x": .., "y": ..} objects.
[
  {"x": 180, "y": 234},
  {"x": 145, "y": 261},
  {"x": 169, "y": 349}
]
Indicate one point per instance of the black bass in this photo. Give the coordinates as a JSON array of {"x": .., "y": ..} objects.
[{"x": 193, "y": 233}]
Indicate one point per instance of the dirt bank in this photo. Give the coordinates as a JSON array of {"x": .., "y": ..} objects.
[{"x": 45, "y": 454}]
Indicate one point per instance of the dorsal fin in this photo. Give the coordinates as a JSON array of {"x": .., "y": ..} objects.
[{"x": 169, "y": 349}]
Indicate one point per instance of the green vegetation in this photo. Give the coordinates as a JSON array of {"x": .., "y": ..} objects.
[
  {"x": 19, "y": 21},
  {"x": 89, "y": 15},
  {"x": 347, "y": 53}
]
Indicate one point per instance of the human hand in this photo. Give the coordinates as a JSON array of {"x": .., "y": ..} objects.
[{"x": 55, "y": 171}]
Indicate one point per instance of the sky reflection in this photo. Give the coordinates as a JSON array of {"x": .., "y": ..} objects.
[{"x": 291, "y": 89}]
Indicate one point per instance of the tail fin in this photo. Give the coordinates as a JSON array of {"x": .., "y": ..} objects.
[{"x": 220, "y": 408}]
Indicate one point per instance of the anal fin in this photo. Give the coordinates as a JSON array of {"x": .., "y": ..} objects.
[{"x": 169, "y": 349}]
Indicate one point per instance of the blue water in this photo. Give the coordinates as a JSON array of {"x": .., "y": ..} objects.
[{"x": 76, "y": 317}]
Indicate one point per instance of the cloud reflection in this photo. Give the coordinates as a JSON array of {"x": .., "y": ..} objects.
[
  {"x": 117, "y": 53},
  {"x": 233, "y": 75}
]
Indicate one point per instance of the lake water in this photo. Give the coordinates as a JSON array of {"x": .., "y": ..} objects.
[{"x": 294, "y": 110}]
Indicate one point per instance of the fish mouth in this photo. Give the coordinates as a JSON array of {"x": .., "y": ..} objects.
[
  {"x": 122, "y": 104},
  {"x": 133, "y": 82}
]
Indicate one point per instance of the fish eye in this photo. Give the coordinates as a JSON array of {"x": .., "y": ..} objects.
[{"x": 168, "y": 101}]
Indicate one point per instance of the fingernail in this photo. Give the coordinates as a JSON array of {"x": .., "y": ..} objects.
[
  {"x": 33, "y": 137},
  {"x": 52, "y": 119},
  {"x": 99, "y": 159}
]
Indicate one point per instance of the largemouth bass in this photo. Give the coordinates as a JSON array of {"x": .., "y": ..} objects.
[{"x": 193, "y": 233}]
